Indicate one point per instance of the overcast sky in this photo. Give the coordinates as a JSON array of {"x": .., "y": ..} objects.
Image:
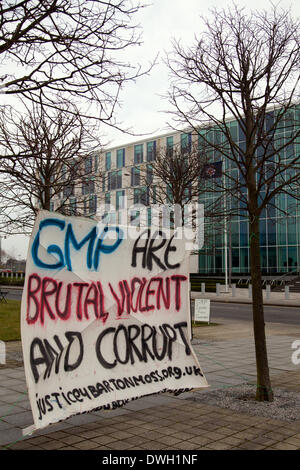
[{"x": 142, "y": 104}]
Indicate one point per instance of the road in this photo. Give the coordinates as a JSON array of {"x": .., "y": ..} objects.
[
  {"x": 13, "y": 294},
  {"x": 240, "y": 312},
  {"x": 233, "y": 311}
]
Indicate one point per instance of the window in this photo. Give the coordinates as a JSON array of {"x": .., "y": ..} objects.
[
  {"x": 107, "y": 161},
  {"x": 154, "y": 201},
  {"x": 135, "y": 176},
  {"x": 151, "y": 150},
  {"x": 291, "y": 230},
  {"x": 120, "y": 200},
  {"x": 201, "y": 142},
  {"x": 149, "y": 174},
  {"x": 282, "y": 258},
  {"x": 63, "y": 172},
  {"x": 68, "y": 190},
  {"x": 120, "y": 158},
  {"x": 271, "y": 227},
  {"x": 141, "y": 196},
  {"x": 107, "y": 199},
  {"x": 72, "y": 206},
  {"x": 185, "y": 142},
  {"x": 88, "y": 186},
  {"x": 135, "y": 218},
  {"x": 138, "y": 153},
  {"x": 85, "y": 206},
  {"x": 111, "y": 180},
  {"x": 119, "y": 179},
  {"x": 244, "y": 260},
  {"x": 187, "y": 193},
  {"x": 169, "y": 194},
  {"x": 263, "y": 232},
  {"x": 292, "y": 257},
  {"x": 109, "y": 218},
  {"x": 241, "y": 130},
  {"x": 93, "y": 204},
  {"x": 235, "y": 234},
  {"x": 115, "y": 180},
  {"x": 170, "y": 143},
  {"x": 88, "y": 164},
  {"x": 85, "y": 187},
  {"x": 233, "y": 131},
  {"x": 244, "y": 236},
  {"x": 96, "y": 160}
]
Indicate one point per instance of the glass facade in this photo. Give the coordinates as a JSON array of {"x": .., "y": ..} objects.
[{"x": 279, "y": 221}]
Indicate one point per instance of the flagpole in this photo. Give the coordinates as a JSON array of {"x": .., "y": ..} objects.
[{"x": 225, "y": 235}]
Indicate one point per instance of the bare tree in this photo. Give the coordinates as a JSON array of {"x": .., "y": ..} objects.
[
  {"x": 246, "y": 67},
  {"x": 46, "y": 163},
  {"x": 175, "y": 176},
  {"x": 69, "y": 47}
]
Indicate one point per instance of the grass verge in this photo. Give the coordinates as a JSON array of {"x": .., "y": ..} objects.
[
  {"x": 195, "y": 324},
  {"x": 10, "y": 320}
]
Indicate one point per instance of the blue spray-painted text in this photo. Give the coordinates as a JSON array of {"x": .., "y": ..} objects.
[{"x": 95, "y": 245}]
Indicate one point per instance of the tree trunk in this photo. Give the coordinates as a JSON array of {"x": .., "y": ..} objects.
[
  {"x": 264, "y": 391},
  {"x": 47, "y": 196},
  {"x": 230, "y": 255}
]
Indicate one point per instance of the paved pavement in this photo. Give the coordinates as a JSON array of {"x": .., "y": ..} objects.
[{"x": 226, "y": 354}]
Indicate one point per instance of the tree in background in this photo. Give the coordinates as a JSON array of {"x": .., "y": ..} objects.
[
  {"x": 175, "y": 177},
  {"x": 48, "y": 163},
  {"x": 71, "y": 48},
  {"x": 245, "y": 67}
]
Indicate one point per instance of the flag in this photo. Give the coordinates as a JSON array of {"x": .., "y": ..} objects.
[{"x": 212, "y": 170}]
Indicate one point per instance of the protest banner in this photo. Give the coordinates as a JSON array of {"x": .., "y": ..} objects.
[{"x": 104, "y": 317}]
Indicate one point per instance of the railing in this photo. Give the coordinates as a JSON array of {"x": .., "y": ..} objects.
[
  {"x": 282, "y": 279},
  {"x": 275, "y": 281},
  {"x": 243, "y": 280},
  {"x": 12, "y": 275}
]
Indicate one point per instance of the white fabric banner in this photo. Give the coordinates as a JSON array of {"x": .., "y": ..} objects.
[{"x": 105, "y": 317}]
